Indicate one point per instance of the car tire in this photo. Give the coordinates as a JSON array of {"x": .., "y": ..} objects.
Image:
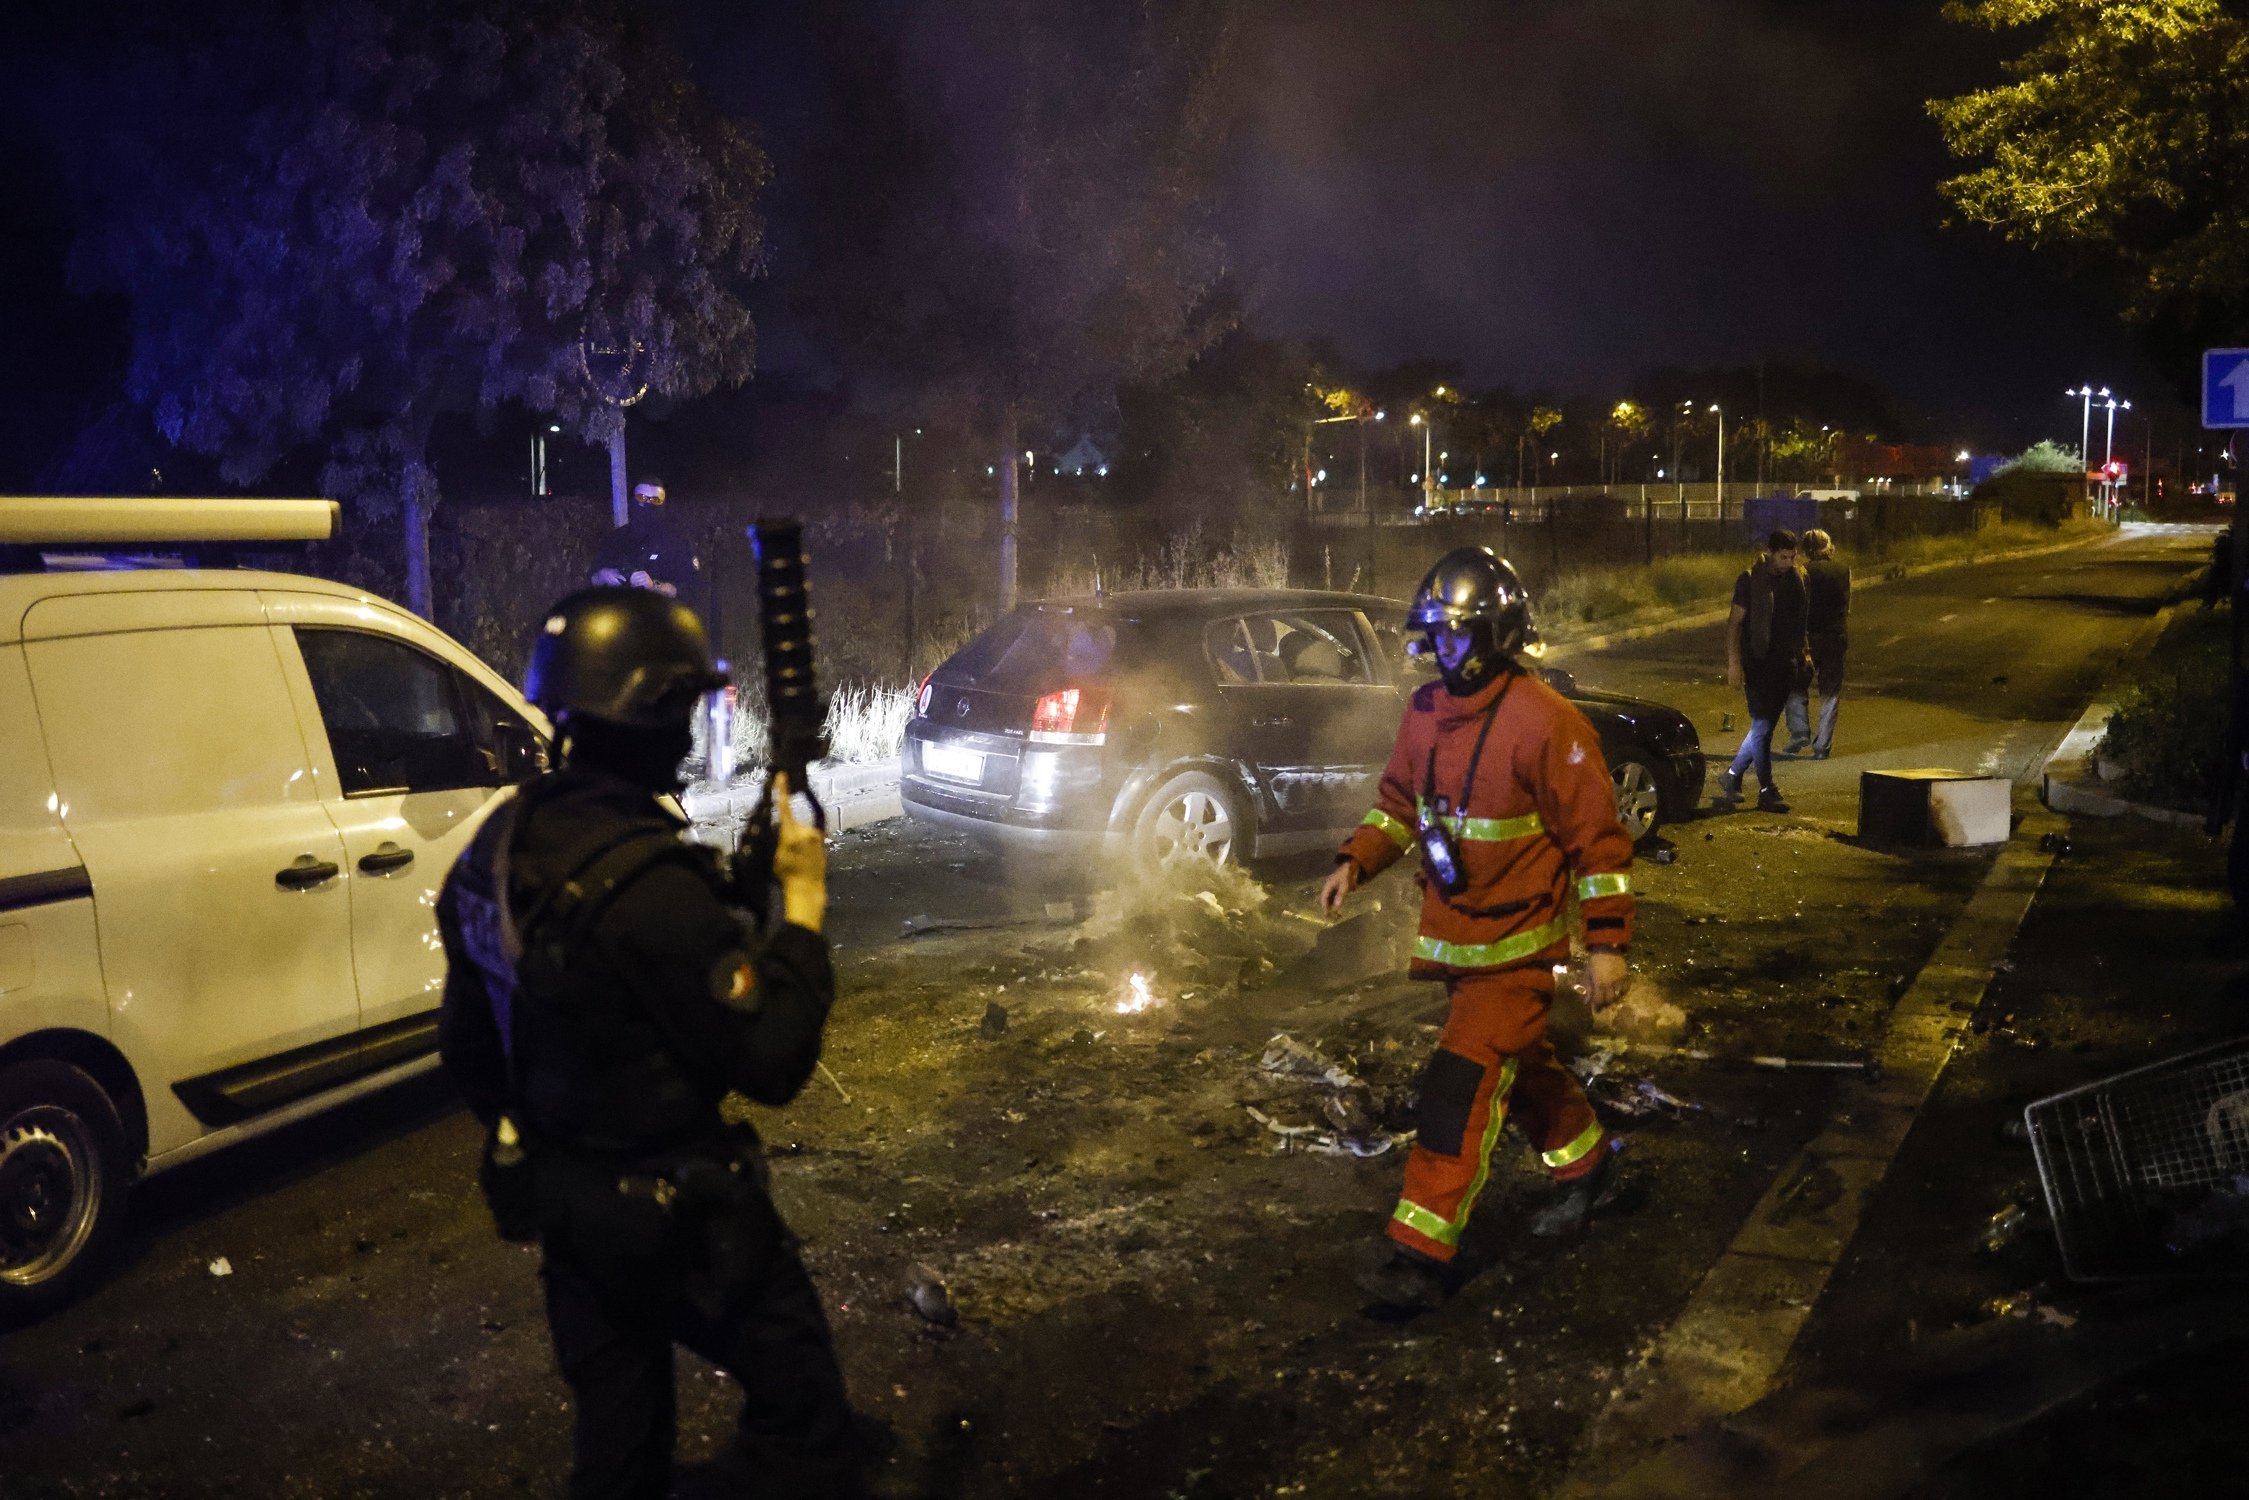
[
  {"x": 64, "y": 1170},
  {"x": 1639, "y": 796},
  {"x": 1192, "y": 815}
]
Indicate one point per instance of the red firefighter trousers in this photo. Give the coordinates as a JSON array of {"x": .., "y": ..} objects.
[{"x": 1492, "y": 1060}]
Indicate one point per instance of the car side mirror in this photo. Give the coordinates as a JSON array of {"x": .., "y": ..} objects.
[{"x": 1559, "y": 680}]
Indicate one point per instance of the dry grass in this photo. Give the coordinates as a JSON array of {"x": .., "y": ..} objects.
[
  {"x": 1601, "y": 595},
  {"x": 1185, "y": 560}
]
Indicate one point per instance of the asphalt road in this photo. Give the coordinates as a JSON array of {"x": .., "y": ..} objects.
[{"x": 1155, "y": 1303}]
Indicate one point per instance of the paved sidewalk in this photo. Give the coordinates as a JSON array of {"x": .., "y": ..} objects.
[{"x": 1905, "y": 1380}]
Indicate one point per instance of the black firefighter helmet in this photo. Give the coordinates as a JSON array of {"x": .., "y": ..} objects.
[
  {"x": 1471, "y": 584},
  {"x": 626, "y": 656}
]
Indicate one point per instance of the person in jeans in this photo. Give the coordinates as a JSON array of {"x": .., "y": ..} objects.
[
  {"x": 1827, "y": 589},
  {"x": 1766, "y": 646}
]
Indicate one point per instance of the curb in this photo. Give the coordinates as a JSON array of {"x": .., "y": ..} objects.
[
  {"x": 1689, "y": 619},
  {"x": 2062, "y": 783}
]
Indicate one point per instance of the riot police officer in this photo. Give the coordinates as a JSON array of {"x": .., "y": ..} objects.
[{"x": 606, "y": 990}]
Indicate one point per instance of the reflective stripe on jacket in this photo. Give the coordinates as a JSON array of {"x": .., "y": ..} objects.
[{"x": 1541, "y": 826}]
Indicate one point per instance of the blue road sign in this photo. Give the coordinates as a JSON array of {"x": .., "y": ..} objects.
[{"x": 2225, "y": 387}]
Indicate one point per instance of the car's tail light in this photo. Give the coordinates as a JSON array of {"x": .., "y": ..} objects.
[
  {"x": 921, "y": 697},
  {"x": 1071, "y": 716}
]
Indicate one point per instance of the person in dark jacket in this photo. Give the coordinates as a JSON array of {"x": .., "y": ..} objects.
[
  {"x": 1827, "y": 592},
  {"x": 605, "y": 992},
  {"x": 648, "y": 551},
  {"x": 1766, "y": 648}
]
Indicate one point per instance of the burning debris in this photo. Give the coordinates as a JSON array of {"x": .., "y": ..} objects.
[{"x": 1138, "y": 997}]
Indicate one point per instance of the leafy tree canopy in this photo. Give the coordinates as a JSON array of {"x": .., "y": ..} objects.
[
  {"x": 2123, "y": 134},
  {"x": 337, "y": 219}
]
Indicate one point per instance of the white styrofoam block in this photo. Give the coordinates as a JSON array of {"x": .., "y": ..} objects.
[{"x": 1968, "y": 812}]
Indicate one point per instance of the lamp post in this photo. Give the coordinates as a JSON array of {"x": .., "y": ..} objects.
[
  {"x": 2108, "y": 444},
  {"x": 1428, "y": 475},
  {"x": 1714, "y": 406},
  {"x": 2085, "y": 422}
]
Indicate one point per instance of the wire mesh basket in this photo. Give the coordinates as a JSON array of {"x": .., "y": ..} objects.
[{"x": 2146, "y": 1174}]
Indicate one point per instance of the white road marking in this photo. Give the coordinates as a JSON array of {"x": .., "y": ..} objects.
[
  {"x": 1947, "y": 619},
  {"x": 1892, "y": 641}
]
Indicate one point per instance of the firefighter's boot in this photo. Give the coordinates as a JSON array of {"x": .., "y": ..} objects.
[
  {"x": 1579, "y": 1199},
  {"x": 1406, "y": 1280}
]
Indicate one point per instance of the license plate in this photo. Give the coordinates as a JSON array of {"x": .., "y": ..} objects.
[{"x": 953, "y": 763}]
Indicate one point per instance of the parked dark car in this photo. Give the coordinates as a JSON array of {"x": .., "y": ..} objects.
[{"x": 1232, "y": 723}]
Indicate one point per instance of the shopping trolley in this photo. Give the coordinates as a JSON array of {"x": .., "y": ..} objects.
[{"x": 2146, "y": 1174}]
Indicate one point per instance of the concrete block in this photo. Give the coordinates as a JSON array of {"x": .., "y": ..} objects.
[{"x": 1951, "y": 808}]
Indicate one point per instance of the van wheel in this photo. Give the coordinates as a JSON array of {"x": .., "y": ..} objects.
[
  {"x": 1639, "y": 797},
  {"x": 1194, "y": 815},
  {"x": 63, "y": 1173}
]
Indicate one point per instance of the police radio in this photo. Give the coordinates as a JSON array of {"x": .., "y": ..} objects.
[{"x": 796, "y": 715}]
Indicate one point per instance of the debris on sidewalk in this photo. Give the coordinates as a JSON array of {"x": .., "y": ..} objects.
[
  {"x": 2027, "y": 1304},
  {"x": 1637, "y": 1098},
  {"x": 1371, "y": 1141},
  {"x": 994, "y": 1024},
  {"x": 1290, "y": 1058},
  {"x": 927, "y": 1292},
  {"x": 2004, "y": 1226},
  {"x": 221, "y": 1266}
]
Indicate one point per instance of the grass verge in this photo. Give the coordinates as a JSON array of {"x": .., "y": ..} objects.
[
  {"x": 1603, "y": 595},
  {"x": 2167, "y": 735}
]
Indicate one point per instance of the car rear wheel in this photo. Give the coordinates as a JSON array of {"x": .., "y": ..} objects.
[
  {"x": 1639, "y": 797},
  {"x": 1194, "y": 815},
  {"x": 63, "y": 1173}
]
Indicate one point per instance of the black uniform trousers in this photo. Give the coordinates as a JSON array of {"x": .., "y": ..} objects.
[{"x": 614, "y": 1344}]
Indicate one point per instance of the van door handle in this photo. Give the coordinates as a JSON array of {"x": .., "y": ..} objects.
[
  {"x": 306, "y": 873},
  {"x": 386, "y": 858}
]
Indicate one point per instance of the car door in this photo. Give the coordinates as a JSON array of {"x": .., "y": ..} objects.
[
  {"x": 1347, "y": 709},
  {"x": 416, "y": 754},
  {"x": 220, "y": 890},
  {"x": 1264, "y": 721}
]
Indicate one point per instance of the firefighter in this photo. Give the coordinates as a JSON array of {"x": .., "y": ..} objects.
[
  {"x": 1500, "y": 785},
  {"x": 608, "y": 985}
]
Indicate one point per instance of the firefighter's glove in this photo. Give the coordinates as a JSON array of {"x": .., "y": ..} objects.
[{"x": 800, "y": 861}]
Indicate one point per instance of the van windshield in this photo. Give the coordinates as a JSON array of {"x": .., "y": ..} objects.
[{"x": 1034, "y": 649}]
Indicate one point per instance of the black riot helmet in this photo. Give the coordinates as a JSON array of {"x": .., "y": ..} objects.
[
  {"x": 628, "y": 657},
  {"x": 1471, "y": 586}
]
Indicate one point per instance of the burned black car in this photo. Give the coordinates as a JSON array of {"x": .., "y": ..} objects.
[{"x": 1229, "y": 723}]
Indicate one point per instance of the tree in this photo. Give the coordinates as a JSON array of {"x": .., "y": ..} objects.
[
  {"x": 337, "y": 220},
  {"x": 2124, "y": 135},
  {"x": 1031, "y": 226},
  {"x": 2045, "y": 457}
]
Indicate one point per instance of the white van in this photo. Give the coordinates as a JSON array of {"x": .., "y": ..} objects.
[{"x": 227, "y": 801}]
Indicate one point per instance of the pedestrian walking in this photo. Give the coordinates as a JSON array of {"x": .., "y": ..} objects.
[
  {"x": 1827, "y": 617},
  {"x": 1766, "y": 648},
  {"x": 648, "y": 551},
  {"x": 606, "y": 989},
  {"x": 1499, "y": 784}
]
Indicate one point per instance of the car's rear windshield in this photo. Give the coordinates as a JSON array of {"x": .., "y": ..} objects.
[{"x": 1035, "y": 649}]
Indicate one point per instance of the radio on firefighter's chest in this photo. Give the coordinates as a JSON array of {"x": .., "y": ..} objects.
[{"x": 1440, "y": 851}]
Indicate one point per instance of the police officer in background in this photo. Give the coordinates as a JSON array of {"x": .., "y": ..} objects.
[{"x": 608, "y": 985}]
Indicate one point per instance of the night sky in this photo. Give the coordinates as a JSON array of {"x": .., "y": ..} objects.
[{"x": 1555, "y": 195}]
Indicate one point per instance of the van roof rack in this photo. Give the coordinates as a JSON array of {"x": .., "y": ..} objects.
[{"x": 45, "y": 532}]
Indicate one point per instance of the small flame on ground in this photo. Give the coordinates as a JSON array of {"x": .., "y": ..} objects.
[{"x": 1141, "y": 998}]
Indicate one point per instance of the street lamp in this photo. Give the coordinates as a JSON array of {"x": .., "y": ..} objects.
[
  {"x": 1721, "y": 458},
  {"x": 1428, "y": 476},
  {"x": 2108, "y": 445},
  {"x": 2085, "y": 423}
]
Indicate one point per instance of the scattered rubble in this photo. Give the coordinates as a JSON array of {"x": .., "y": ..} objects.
[{"x": 927, "y": 1293}]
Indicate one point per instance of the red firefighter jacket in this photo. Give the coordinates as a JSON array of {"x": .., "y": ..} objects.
[{"x": 1541, "y": 816}]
